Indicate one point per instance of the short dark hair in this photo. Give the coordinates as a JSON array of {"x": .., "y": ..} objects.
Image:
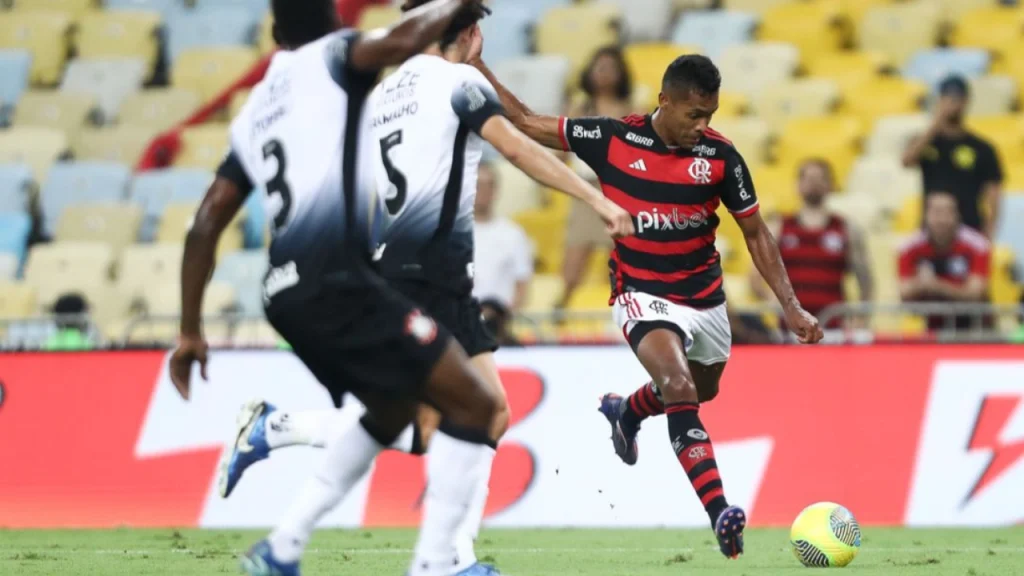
[
  {"x": 624, "y": 89},
  {"x": 466, "y": 18},
  {"x": 299, "y": 22},
  {"x": 822, "y": 163},
  {"x": 691, "y": 72}
]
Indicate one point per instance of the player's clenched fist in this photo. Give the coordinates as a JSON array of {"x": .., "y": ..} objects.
[
  {"x": 618, "y": 223},
  {"x": 191, "y": 349},
  {"x": 804, "y": 325}
]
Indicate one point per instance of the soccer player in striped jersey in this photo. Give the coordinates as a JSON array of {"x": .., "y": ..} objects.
[{"x": 671, "y": 171}]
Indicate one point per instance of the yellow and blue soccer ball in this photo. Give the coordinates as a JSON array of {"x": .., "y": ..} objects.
[{"x": 825, "y": 535}]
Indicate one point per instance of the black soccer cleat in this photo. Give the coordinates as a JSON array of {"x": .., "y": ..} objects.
[
  {"x": 729, "y": 531},
  {"x": 624, "y": 440}
]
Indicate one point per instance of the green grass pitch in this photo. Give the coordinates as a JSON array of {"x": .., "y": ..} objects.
[{"x": 516, "y": 552}]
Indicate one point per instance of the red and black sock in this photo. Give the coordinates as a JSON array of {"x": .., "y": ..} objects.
[
  {"x": 693, "y": 448},
  {"x": 641, "y": 405}
]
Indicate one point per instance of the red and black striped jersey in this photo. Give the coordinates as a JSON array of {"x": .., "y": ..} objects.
[
  {"x": 673, "y": 194},
  {"x": 817, "y": 260}
]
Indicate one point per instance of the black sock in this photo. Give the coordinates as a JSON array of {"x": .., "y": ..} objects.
[
  {"x": 696, "y": 455},
  {"x": 641, "y": 405}
]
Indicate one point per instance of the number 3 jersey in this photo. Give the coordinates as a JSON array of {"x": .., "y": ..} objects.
[
  {"x": 302, "y": 140},
  {"x": 426, "y": 119}
]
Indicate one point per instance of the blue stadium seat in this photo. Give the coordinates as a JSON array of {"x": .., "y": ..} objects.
[
  {"x": 14, "y": 72},
  {"x": 155, "y": 190},
  {"x": 210, "y": 28},
  {"x": 15, "y": 228},
  {"x": 714, "y": 31},
  {"x": 932, "y": 66},
  {"x": 245, "y": 270},
  {"x": 15, "y": 187},
  {"x": 71, "y": 183},
  {"x": 255, "y": 226},
  {"x": 1010, "y": 231},
  {"x": 259, "y": 7},
  {"x": 506, "y": 33}
]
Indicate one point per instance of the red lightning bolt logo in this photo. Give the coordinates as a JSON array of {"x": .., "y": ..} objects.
[{"x": 993, "y": 417}]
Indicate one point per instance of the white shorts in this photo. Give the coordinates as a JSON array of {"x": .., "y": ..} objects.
[{"x": 707, "y": 334}]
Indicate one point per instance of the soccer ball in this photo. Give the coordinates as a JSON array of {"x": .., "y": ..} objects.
[{"x": 825, "y": 535}]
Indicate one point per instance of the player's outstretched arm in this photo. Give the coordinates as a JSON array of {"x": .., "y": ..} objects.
[
  {"x": 543, "y": 129},
  {"x": 544, "y": 167},
  {"x": 418, "y": 29}
]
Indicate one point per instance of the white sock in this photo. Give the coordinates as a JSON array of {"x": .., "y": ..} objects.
[
  {"x": 454, "y": 471},
  {"x": 304, "y": 428},
  {"x": 347, "y": 458},
  {"x": 470, "y": 528}
]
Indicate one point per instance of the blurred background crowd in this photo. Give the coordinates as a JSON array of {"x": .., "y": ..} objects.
[{"x": 885, "y": 139}]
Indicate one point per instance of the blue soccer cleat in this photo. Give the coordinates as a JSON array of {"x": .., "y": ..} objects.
[
  {"x": 260, "y": 561},
  {"x": 729, "y": 531},
  {"x": 479, "y": 569},
  {"x": 624, "y": 440},
  {"x": 250, "y": 445}
]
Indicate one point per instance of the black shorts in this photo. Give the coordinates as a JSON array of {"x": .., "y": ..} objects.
[
  {"x": 361, "y": 339},
  {"x": 459, "y": 313}
]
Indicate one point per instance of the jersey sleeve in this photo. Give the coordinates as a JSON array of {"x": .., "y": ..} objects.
[
  {"x": 738, "y": 193},
  {"x": 231, "y": 169},
  {"x": 336, "y": 57},
  {"x": 588, "y": 138},
  {"x": 981, "y": 261},
  {"x": 474, "y": 99},
  {"x": 907, "y": 264}
]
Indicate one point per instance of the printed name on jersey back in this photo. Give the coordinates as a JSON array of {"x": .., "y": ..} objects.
[{"x": 396, "y": 90}]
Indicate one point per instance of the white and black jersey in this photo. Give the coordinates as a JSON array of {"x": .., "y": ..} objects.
[
  {"x": 426, "y": 119},
  {"x": 302, "y": 139}
]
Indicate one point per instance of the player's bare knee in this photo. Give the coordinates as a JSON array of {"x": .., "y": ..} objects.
[{"x": 678, "y": 388}]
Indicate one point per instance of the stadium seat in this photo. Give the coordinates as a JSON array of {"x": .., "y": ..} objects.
[
  {"x": 714, "y": 31},
  {"x": 209, "y": 28},
  {"x": 751, "y": 136},
  {"x": 238, "y": 100},
  {"x": 15, "y": 67},
  {"x": 539, "y": 80},
  {"x": 1013, "y": 178},
  {"x": 9, "y": 265},
  {"x": 44, "y": 34},
  {"x": 576, "y": 31},
  {"x": 245, "y": 271},
  {"x": 995, "y": 28},
  {"x": 17, "y": 300},
  {"x": 177, "y": 219},
  {"x": 731, "y": 105},
  {"x": 14, "y": 230},
  {"x": 16, "y": 187},
  {"x": 507, "y": 32},
  {"x": 835, "y": 138},
  {"x": 109, "y": 81},
  {"x": 120, "y": 34},
  {"x": 52, "y": 109},
  {"x": 1006, "y": 133},
  {"x": 883, "y": 96},
  {"x": 644, "y": 19},
  {"x": 55, "y": 268},
  {"x": 1004, "y": 291},
  {"x": 730, "y": 244},
  {"x": 900, "y": 30},
  {"x": 209, "y": 71},
  {"x": 847, "y": 68},
  {"x": 76, "y": 8},
  {"x": 203, "y": 146},
  {"x": 165, "y": 300},
  {"x": 517, "y": 192},
  {"x": 159, "y": 108},
  {"x": 813, "y": 27},
  {"x": 750, "y": 68},
  {"x": 885, "y": 180},
  {"x": 35, "y": 147},
  {"x": 544, "y": 292},
  {"x": 909, "y": 216},
  {"x": 546, "y": 228},
  {"x": 144, "y": 267},
  {"x": 883, "y": 254},
  {"x": 755, "y": 6},
  {"x": 116, "y": 224},
  {"x": 647, "y": 64},
  {"x": 72, "y": 183},
  {"x": 378, "y": 16},
  {"x": 121, "y": 144},
  {"x": 156, "y": 189},
  {"x": 933, "y": 66},
  {"x": 255, "y": 228},
  {"x": 954, "y": 10},
  {"x": 992, "y": 95},
  {"x": 161, "y": 6},
  {"x": 780, "y": 102},
  {"x": 861, "y": 210},
  {"x": 892, "y": 134},
  {"x": 1009, "y": 231},
  {"x": 776, "y": 188}
]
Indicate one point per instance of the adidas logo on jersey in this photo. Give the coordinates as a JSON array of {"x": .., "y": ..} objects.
[{"x": 639, "y": 165}]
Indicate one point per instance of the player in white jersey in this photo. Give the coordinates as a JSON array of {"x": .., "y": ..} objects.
[{"x": 302, "y": 135}]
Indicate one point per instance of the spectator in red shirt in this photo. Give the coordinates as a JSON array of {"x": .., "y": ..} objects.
[{"x": 945, "y": 262}]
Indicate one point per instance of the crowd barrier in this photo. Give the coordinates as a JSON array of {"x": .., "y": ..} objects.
[{"x": 921, "y": 435}]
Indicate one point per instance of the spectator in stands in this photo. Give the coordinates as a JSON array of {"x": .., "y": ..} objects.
[
  {"x": 945, "y": 262},
  {"x": 607, "y": 87},
  {"x": 955, "y": 160},
  {"x": 1018, "y": 336},
  {"x": 72, "y": 325},
  {"x": 503, "y": 259},
  {"x": 819, "y": 247}
]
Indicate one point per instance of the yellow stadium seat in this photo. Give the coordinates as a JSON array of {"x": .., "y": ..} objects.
[
  {"x": 883, "y": 96},
  {"x": 591, "y": 297},
  {"x": 751, "y": 136},
  {"x": 992, "y": 95},
  {"x": 76, "y": 8},
  {"x": 59, "y": 267},
  {"x": 1004, "y": 290},
  {"x": 159, "y": 108},
  {"x": 516, "y": 192},
  {"x": 544, "y": 292},
  {"x": 776, "y": 189},
  {"x": 995, "y": 28},
  {"x": 852, "y": 12},
  {"x": 1006, "y": 133},
  {"x": 731, "y": 105},
  {"x": 834, "y": 138},
  {"x": 737, "y": 289},
  {"x": 379, "y": 17},
  {"x": 795, "y": 99},
  {"x": 884, "y": 179},
  {"x": 209, "y": 71},
  {"x": 883, "y": 252},
  {"x": 44, "y": 34},
  {"x": 954, "y": 10},
  {"x": 17, "y": 300},
  {"x": 1013, "y": 178},
  {"x": 176, "y": 221},
  {"x": 1013, "y": 67},
  {"x": 265, "y": 42},
  {"x": 848, "y": 68},
  {"x": 203, "y": 146},
  {"x": 145, "y": 266},
  {"x": 899, "y": 30},
  {"x": 756, "y": 6},
  {"x": 577, "y": 31},
  {"x": 37, "y": 147},
  {"x": 115, "y": 224},
  {"x": 892, "y": 134},
  {"x": 597, "y": 268},
  {"x": 647, "y": 63},
  {"x": 165, "y": 300},
  {"x": 749, "y": 68},
  {"x": 813, "y": 27},
  {"x": 547, "y": 230},
  {"x": 908, "y": 219},
  {"x": 237, "y": 101},
  {"x": 121, "y": 144},
  {"x": 65, "y": 111},
  {"x": 119, "y": 34},
  {"x": 861, "y": 210},
  {"x": 730, "y": 244}
]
